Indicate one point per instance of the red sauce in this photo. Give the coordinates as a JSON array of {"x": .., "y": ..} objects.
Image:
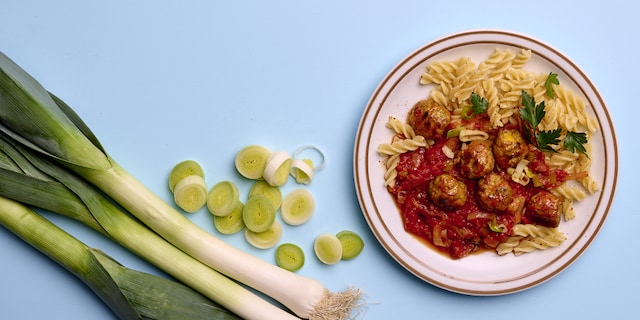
[{"x": 468, "y": 229}]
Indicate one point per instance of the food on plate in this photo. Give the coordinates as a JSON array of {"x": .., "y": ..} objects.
[{"x": 493, "y": 158}]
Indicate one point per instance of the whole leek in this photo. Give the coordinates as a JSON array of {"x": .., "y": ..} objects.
[
  {"x": 36, "y": 119},
  {"x": 130, "y": 294}
]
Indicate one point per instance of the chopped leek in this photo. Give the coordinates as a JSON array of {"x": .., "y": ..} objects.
[
  {"x": 190, "y": 193},
  {"x": 259, "y": 213},
  {"x": 251, "y": 161},
  {"x": 32, "y": 117},
  {"x": 265, "y": 239},
  {"x": 276, "y": 173},
  {"x": 289, "y": 257},
  {"x": 298, "y": 207},
  {"x": 232, "y": 222},
  {"x": 328, "y": 248},
  {"x": 352, "y": 244},
  {"x": 184, "y": 169},
  {"x": 223, "y": 198}
]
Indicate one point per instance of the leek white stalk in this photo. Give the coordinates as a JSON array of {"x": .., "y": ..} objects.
[{"x": 32, "y": 117}]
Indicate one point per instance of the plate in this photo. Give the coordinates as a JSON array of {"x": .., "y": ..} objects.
[{"x": 486, "y": 273}]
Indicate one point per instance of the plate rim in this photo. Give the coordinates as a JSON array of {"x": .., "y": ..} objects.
[{"x": 488, "y": 36}]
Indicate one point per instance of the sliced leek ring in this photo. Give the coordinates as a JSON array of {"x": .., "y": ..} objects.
[
  {"x": 276, "y": 173},
  {"x": 231, "y": 223},
  {"x": 297, "y": 207},
  {"x": 259, "y": 213},
  {"x": 251, "y": 161},
  {"x": 223, "y": 198},
  {"x": 182, "y": 170},
  {"x": 265, "y": 239},
  {"x": 289, "y": 257},
  {"x": 352, "y": 244},
  {"x": 297, "y": 154},
  {"x": 190, "y": 193},
  {"x": 302, "y": 170},
  {"x": 272, "y": 192},
  {"x": 328, "y": 248}
]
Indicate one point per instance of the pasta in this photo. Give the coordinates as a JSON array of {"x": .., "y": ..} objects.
[{"x": 501, "y": 80}]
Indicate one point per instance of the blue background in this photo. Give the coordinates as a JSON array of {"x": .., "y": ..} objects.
[{"x": 164, "y": 81}]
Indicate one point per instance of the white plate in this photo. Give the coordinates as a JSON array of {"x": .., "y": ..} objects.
[{"x": 486, "y": 273}]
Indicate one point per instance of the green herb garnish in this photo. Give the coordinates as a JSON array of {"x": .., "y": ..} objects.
[
  {"x": 576, "y": 141},
  {"x": 549, "y": 82},
  {"x": 532, "y": 114},
  {"x": 479, "y": 104}
]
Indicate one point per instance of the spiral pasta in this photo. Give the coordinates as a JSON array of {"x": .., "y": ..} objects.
[{"x": 530, "y": 237}]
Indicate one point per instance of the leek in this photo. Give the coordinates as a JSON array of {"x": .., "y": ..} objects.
[
  {"x": 47, "y": 183},
  {"x": 130, "y": 294},
  {"x": 31, "y": 116}
]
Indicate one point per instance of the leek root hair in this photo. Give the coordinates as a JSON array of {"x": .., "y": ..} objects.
[{"x": 339, "y": 305}]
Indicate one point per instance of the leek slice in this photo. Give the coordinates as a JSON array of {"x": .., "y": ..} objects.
[
  {"x": 251, "y": 161},
  {"x": 265, "y": 239},
  {"x": 190, "y": 193},
  {"x": 223, "y": 198},
  {"x": 272, "y": 192},
  {"x": 259, "y": 213},
  {"x": 327, "y": 248},
  {"x": 182, "y": 170},
  {"x": 320, "y": 155},
  {"x": 352, "y": 244},
  {"x": 289, "y": 257},
  {"x": 276, "y": 173},
  {"x": 230, "y": 223},
  {"x": 297, "y": 207},
  {"x": 302, "y": 170}
]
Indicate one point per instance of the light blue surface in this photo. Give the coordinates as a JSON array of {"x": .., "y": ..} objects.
[{"x": 163, "y": 81}]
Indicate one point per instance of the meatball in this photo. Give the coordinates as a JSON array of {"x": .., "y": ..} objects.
[
  {"x": 509, "y": 148},
  {"x": 428, "y": 118},
  {"x": 544, "y": 209},
  {"x": 447, "y": 192},
  {"x": 494, "y": 192},
  {"x": 477, "y": 159}
]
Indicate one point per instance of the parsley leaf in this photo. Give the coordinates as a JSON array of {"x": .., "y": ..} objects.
[
  {"x": 544, "y": 139},
  {"x": 549, "y": 82},
  {"x": 575, "y": 141},
  {"x": 479, "y": 104},
  {"x": 532, "y": 114}
]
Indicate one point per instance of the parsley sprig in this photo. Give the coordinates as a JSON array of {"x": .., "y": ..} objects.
[
  {"x": 532, "y": 114},
  {"x": 478, "y": 106}
]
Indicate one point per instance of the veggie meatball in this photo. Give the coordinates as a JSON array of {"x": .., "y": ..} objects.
[
  {"x": 494, "y": 192},
  {"x": 477, "y": 159},
  {"x": 509, "y": 148},
  {"x": 428, "y": 118},
  {"x": 448, "y": 192},
  {"x": 544, "y": 208}
]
